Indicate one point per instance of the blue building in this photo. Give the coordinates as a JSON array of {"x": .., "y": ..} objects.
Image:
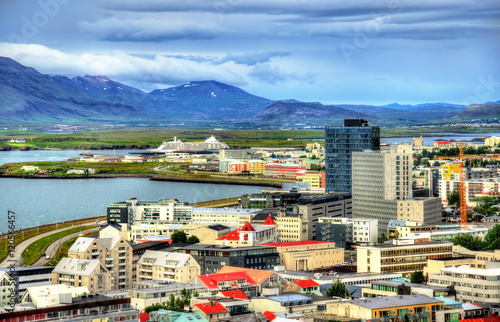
[{"x": 340, "y": 141}]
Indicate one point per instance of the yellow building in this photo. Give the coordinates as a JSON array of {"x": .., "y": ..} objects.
[
  {"x": 113, "y": 252},
  {"x": 208, "y": 235},
  {"x": 314, "y": 179},
  {"x": 308, "y": 255},
  {"x": 450, "y": 172},
  {"x": 388, "y": 308},
  {"x": 291, "y": 227},
  {"x": 256, "y": 166},
  {"x": 492, "y": 141},
  {"x": 167, "y": 267},
  {"x": 91, "y": 274},
  {"x": 405, "y": 256}
]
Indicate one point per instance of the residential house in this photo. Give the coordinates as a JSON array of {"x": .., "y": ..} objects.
[{"x": 167, "y": 267}]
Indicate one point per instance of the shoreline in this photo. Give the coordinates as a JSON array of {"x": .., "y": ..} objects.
[{"x": 154, "y": 177}]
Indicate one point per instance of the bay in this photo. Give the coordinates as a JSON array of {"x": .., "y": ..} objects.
[{"x": 42, "y": 201}]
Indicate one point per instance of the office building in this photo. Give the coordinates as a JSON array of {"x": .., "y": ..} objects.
[
  {"x": 211, "y": 258},
  {"x": 340, "y": 142},
  {"x": 404, "y": 257},
  {"x": 382, "y": 188},
  {"x": 346, "y": 232}
]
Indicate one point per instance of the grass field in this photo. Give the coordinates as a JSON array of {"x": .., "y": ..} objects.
[
  {"x": 31, "y": 232},
  {"x": 61, "y": 252},
  {"x": 152, "y": 137},
  {"x": 34, "y": 251}
]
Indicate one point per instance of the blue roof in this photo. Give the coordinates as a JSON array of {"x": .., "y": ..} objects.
[
  {"x": 448, "y": 302},
  {"x": 290, "y": 298},
  {"x": 299, "y": 186}
]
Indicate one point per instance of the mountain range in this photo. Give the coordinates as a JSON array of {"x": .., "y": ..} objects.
[{"x": 29, "y": 96}]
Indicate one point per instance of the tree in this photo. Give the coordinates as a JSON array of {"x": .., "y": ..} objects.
[
  {"x": 417, "y": 277},
  {"x": 192, "y": 240},
  {"x": 487, "y": 206},
  {"x": 454, "y": 198},
  {"x": 172, "y": 304},
  {"x": 383, "y": 238},
  {"x": 468, "y": 241},
  {"x": 436, "y": 164},
  {"x": 155, "y": 307},
  {"x": 492, "y": 238},
  {"x": 337, "y": 289},
  {"x": 179, "y": 237}
]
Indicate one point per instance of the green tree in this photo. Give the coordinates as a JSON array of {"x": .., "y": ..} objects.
[
  {"x": 172, "y": 304},
  {"x": 487, "y": 206},
  {"x": 492, "y": 238},
  {"x": 454, "y": 198},
  {"x": 179, "y": 237},
  {"x": 468, "y": 241},
  {"x": 155, "y": 307},
  {"x": 193, "y": 240},
  {"x": 337, "y": 289},
  {"x": 436, "y": 164},
  {"x": 383, "y": 238},
  {"x": 417, "y": 277}
]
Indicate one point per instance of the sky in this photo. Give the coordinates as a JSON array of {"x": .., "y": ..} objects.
[{"x": 328, "y": 51}]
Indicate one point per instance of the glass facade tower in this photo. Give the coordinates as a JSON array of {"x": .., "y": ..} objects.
[{"x": 340, "y": 141}]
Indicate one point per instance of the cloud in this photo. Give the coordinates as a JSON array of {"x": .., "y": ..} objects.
[
  {"x": 145, "y": 73},
  {"x": 273, "y": 75},
  {"x": 144, "y": 30},
  {"x": 250, "y": 59}
]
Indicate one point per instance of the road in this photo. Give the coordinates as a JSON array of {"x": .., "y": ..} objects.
[
  {"x": 16, "y": 257},
  {"x": 54, "y": 247}
]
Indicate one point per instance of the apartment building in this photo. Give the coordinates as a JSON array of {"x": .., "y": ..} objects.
[
  {"x": 167, "y": 267},
  {"x": 91, "y": 274},
  {"x": 250, "y": 235},
  {"x": 405, "y": 257},
  {"x": 283, "y": 170},
  {"x": 114, "y": 253},
  {"x": 208, "y": 234},
  {"x": 314, "y": 179},
  {"x": 471, "y": 284}
]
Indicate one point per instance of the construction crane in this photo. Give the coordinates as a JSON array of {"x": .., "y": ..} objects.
[{"x": 462, "y": 191}]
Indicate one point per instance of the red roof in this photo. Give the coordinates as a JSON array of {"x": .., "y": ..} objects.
[
  {"x": 297, "y": 243},
  {"x": 211, "y": 280},
  {"x": 442, "y": 142},
  {"x": 247, "y": 227},
  {"x": 234, "y": 235},
  {"x": 236, "y": 294},
  {"x": 306, "y": 283},
  {"x": 269, "y": 221},
  {"x": 269, "y": 315},
  {"x": 210, "y": 308},
  {"x": 490, "y": 319}
]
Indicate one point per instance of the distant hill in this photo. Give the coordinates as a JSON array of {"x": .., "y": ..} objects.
[
  {"x": 294, "y": 112},
  {"x": 480, "y": 111},
  {"x": 29, "y": 96}
]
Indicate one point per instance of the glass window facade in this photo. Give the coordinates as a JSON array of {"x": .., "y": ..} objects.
[{"x": 340, "y": 142}]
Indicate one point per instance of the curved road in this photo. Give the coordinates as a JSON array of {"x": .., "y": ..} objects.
[
  {"x": 17, "y": 259},
  {"x": 54, "y": 247}
]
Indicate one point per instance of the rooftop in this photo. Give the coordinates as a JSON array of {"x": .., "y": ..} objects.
[
  {"x": 399, "y": 300},
  {"x": 297, "y": 243}
]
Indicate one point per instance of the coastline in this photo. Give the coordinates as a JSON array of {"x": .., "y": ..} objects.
[{"x": 154, "y": 177}]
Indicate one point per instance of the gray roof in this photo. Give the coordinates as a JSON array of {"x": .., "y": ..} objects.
[
  {"x": 390, "y": 301},
  {"x": 80, "y": 267},
  {"x": 160, "y": 258}
]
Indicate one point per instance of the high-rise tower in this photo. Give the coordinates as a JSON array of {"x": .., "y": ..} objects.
[{"x": 340, "y": 141}]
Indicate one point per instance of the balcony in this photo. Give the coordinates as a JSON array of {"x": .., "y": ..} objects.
[
  {"x": 66, "y": 279},
  {"x": 147, "y": 270},
  {"x": 95, "y": 252},
  {"x": 146, "y": 263},
  {"x": 122, "y": 256},
  {"x": 169, "y": 266},
  {"x": 122, "y": 251},
  {"x": 168, "y": 273}
]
